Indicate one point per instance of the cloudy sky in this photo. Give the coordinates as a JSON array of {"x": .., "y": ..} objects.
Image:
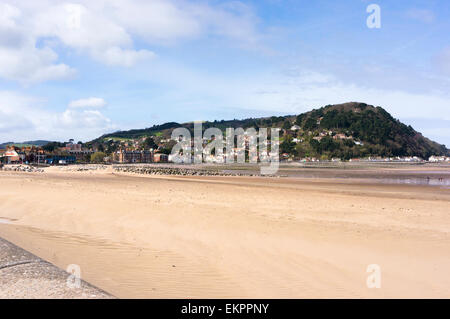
[{"x": 79, "y": 69}]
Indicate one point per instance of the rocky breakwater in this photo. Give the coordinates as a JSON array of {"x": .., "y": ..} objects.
[
  {"x": 21, "y": 168},
  {"x": 152, "y": 170},
  {"x": 83, "y": 168}
]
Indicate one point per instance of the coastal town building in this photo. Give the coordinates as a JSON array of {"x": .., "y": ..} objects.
[
  {"x": 161, "y": 158},
  {"x": 60, "y": 159},
  {"x": 71, "y": 147},
  {"x": 12, "y": 157},
  {"x": 127, "y": 156},
  {"x": 436, "y": 159}
]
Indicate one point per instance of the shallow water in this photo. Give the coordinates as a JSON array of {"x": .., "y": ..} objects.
[
  {"x": 422, "y": 178},
  {"x": 445, "y": 182}
]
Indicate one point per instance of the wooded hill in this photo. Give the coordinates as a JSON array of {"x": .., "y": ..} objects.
[{"x": 343, "y": 130}]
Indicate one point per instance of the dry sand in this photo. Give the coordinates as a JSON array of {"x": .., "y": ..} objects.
[{"x": 232, "y": 237}]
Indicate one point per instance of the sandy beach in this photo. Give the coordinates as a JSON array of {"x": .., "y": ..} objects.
[{"x": 138, "y": 236}]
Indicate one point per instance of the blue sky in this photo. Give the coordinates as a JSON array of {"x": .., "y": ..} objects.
[{"x": 83, "y": 68}]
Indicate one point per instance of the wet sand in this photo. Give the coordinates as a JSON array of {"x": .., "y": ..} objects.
[{"x": 233, "y": 237}]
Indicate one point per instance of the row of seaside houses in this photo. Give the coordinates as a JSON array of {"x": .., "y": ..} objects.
[{"x": 126, "y": 156}]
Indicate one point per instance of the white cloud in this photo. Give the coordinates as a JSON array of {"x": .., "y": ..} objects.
[
  {"x": 158, "y": 20},
  {"x": 233, "y": 20},
  {"x": 85, "y": 28},
  {"x": 11, "y": 113},
  {"x": 92, "y": 102},
  {"x": 31, "y": 65},
  {"x": 121, "y": 57},
  {"x": 82, "y": 119},
  {"x": 20, "y": 59},
  {"x": 107, "y": 31},
  {"x": 25, "y": 118},
  {"x": 165, "y": 21}
]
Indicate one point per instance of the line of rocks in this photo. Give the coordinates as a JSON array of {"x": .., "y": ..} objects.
[
  {"x": 22, "y": 168},
  {"x": 174, "y": 171},
  {"x": 83, "y": 168}
]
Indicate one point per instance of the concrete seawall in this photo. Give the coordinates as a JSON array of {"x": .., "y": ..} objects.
[{"x": 24, "y": 275}]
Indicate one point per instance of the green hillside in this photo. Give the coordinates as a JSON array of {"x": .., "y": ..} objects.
[
  {"x": 335, "y": 131},
  {"x": 374, "y": 127}
]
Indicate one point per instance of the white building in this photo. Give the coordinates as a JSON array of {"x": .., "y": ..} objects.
[{"x": 435, "y": 159}]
